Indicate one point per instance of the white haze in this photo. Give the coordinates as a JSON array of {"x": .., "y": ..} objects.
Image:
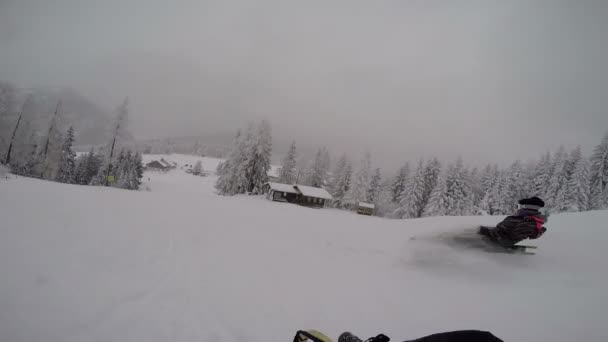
[{"x": 490, "y": 81}]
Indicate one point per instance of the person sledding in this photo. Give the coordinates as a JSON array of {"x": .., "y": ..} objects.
[{"x": 527, "y": 223}]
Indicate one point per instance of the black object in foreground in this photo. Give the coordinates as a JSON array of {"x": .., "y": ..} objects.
[{"x": 452, "y": 336}]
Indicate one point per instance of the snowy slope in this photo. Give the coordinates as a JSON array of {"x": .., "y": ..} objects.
[{"x": 179, "y": 263}]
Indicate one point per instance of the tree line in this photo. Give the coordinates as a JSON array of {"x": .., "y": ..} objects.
[
  {"x": 567, "y": 181},
  {"x": 48, "y": 152}
]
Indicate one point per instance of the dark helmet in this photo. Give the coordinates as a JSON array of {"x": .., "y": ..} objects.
[{"x": 532, "y": 201}]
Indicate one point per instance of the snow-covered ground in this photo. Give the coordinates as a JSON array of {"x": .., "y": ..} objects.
[{"x": 179, "y": 263}]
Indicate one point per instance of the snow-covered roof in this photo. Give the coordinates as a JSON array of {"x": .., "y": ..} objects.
[
  {"x": 165, "y": 163},
  {"x": 155, "y": 164},
  {"x": 366, "y": 205},
  {"x": 314, "y": 192},
  {"x": 283, "y": 187}
]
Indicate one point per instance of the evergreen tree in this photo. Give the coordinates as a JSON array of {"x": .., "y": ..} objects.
[
  {"x": 340, "y": 181},
  {"x": 246, "y": 169},
  {"x": 88, "y": 167},
  {"x": 81, "y": 165},
  {"x": 558, "y": 183},
  {"x": 67, "y": 163},
  {"x": 492, "y": 180},
  {"x": 259, "y": 161},
  {"x": 287, "y": 174},
  {"x": 599, "y": 175},
  {"x": 375, "y": 187},
  {"x": 100, "y": 178},
  {"x": 360, "y": 187},
  {"x": 412, "y": 198},
  {"x": 458, "y": 197},
  {"x": 575, "y": 155},
  {"x": 32, "y": 163},
  {"x": 431, "y": 176},
  {"x": 542, "y": 175},
  {"x": 513, "y": 188},
  {"x": 487, "y": 178},
  {"x": 138, "y": 170},
  {"x": 122, "y": 170},
  {"x": 226, "y": 171},
  {"x": 579, "y": 192},
  {"x": 476, "y": 188},
  {"x": 385, "y": 207},
  {"x": 399, "y": 183},
  {"x": 438, "y": 203},
  {"x": 317, "y": 177}
]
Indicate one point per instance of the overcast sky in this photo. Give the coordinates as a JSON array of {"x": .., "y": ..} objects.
[{"x": 490, "y": 81}]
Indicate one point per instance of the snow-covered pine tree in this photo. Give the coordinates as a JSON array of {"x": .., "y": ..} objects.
[
  {"x": 490, "y": 203},
  {"x": 385, "y": 207},
  {"x": 575, "y": 155},
  {"x": 31, "y": 163},
  {"x": 131, "y": 171},
  {"x": 7, "y": 109},
  {"x": 514, "y": 188},
  {"x": 340, "y": 181},
  {"x": 287, "y": 174},
  {"x": 317, "y": 176},
  {"x": 411, "y": 202},
  {"x": 542, "y": 175},
  {"x": 375, "y": 187},
  {"x": 488, "y": 177},
  {"x": 399, "y": 182},
  {"x": 599, "y": 175},
  {"x": 100, "y": 177},
  {"x": 52, "y": 148},
  {"x": 138, "y": 171},
  {"x": 438, "y": 203},
  {"x": 260, "y": 159},
  {"x": 476, "y": 188},
  {"x": 198, "y": 168},
  {"x": 67, "y": 163},
  {"x": 122, "y": 169},
  {"x": 579, "y": 192},
  {"x": 431, "y": 175},
  {"x": 81, "y": 165},
  {"x": 359, "y": 189},
  {"x": 119, "y": 131},
  {"x": 232, "y": 172},
  {"x": 226, "y": 170},
  {"x": 558, "y": 183},
  {"x": 89, "y": 167},
  {"x": 470, "y": 207},
  {"x": 458, "y": 198}
]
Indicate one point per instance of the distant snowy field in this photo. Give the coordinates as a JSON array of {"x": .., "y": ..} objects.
[{"x": 179, "y": 263}]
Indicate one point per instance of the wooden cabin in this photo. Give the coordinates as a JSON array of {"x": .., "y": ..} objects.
[
  {"x": 307, "y": 196},
  {"x": 365, "y": 209},
  {"x": 155, "y": 165},
  {"x": 312, "y": 197},
  {"x": 281, "y": 192}
]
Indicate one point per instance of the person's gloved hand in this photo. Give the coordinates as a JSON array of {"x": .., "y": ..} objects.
[
  {"x": 539, "y": 234},
  {"x": 379, "y": 338}
]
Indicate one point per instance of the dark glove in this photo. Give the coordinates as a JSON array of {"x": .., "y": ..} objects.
[
  {"x": 539, "y": 234},
  {"x": 379, "y": 338}
]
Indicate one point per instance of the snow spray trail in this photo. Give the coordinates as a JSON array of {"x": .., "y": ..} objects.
[{"x": 460, "y": 253}]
